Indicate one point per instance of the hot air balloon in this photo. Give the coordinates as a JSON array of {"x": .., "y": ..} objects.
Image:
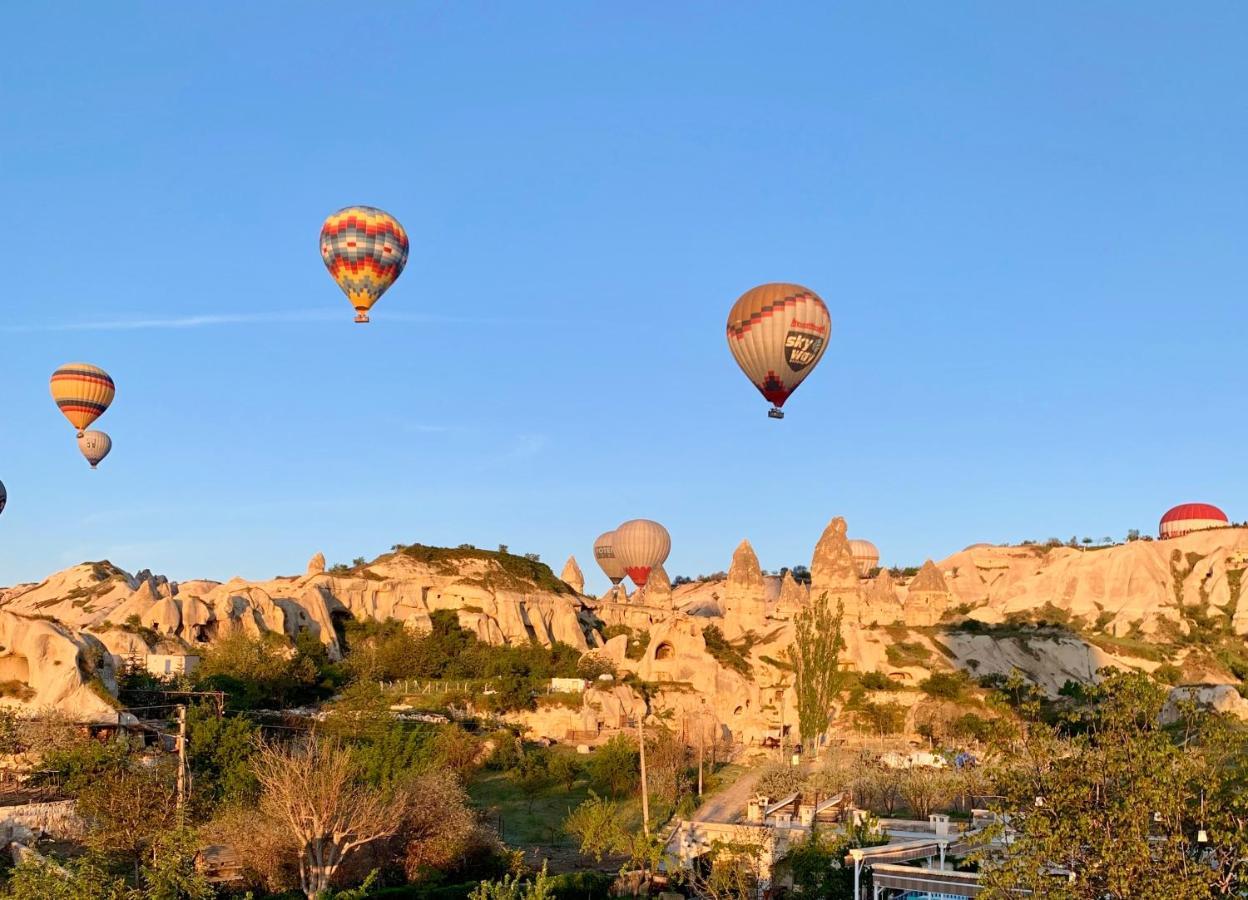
[
  {"x": 4, "y": 496},
  {"x": 866, "y": 556},
  {"x": 365, "y": 250},
  {"x": 94, "y": 445},
  {"x": 639, "y": 546},
  {"x": 777, "y": 333},
  {"x": 83, "y": 392},
  {"x": 604, "y": 553}
]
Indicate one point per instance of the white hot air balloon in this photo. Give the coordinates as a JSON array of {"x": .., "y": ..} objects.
[
  {"x": 604, "y": 554},
  {"x": 639, "y": 546},
  {"x": 866, "y": 556},
  {"x": 95, "y": 445}
]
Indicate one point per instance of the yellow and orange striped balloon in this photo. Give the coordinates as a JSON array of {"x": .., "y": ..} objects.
[{"x": 82, "y": 392}]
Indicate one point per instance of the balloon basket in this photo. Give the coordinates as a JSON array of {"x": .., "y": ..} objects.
[
  {"x": 775, "y": 413},
  {"x": 361, "y": 316}
]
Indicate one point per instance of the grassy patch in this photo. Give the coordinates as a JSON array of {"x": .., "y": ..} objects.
[
  {"x": 505, "y": 571},
  {"x": 1127, "y": 646},
  {"x": 908, "y": 653},
  {"x": 534, "y": 820}
]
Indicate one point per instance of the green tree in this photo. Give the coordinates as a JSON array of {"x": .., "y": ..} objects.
[
  {"x": 615, "y": 767},
  {"x": 219, "y": 753},
  {"x": 171, "y": 873},
  {"x": 86, "y": 878},
  {"x": 1113, "y": 805},
  {"x": 816, "y": 657}
]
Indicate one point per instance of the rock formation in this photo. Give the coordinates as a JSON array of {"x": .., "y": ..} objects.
[
  {"x": 833, "y": 570},
  {"x": 316, "y": 565},
  {"x": 658, "y": 590},
  {"x": 927, "y": 596},
  {"x": 881, "y": 604},
  {"x": 572, "y": 575},
  {"x": 793, "y": 596},
  {"x": 44, "y": 665},
  {"x": 744, "y": 598}
]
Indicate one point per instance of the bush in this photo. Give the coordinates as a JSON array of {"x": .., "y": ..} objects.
[
  {"x": 877, "y": 681},
  {"x": 945, "y": 685},
  {"x": 1168, "y": 673},
  {"x": 727, "y": 654},
  {"x": 614, "y": 768}
]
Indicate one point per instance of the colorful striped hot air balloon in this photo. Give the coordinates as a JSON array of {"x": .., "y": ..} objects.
[
  {"x": 639, "y": 546},
  {"x": 604, "y": 554},
  {"x": 94, "y": 446},
  {"x": 365, "y": 250},
  {"x": 777, "y": 333},
  {"x": 83, "y": 392}
]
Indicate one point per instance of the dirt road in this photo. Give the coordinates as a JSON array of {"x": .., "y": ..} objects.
[{"x": 729, "y": 804}]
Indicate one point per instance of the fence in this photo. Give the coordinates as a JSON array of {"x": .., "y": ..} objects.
[{"x": 425, "y": 688}]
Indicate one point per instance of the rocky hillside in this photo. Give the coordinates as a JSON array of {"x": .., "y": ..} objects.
[{"x": 1056, "y": 613}]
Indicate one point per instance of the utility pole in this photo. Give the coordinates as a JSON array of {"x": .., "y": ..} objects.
[
  {"x": 181, "y": 760},
  {"x": 645, "y": 788}
]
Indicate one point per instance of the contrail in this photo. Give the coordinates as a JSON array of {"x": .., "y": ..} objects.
[{"x": 209, "y": 320}]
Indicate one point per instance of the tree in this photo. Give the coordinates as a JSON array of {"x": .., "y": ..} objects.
[
  {"x": 1133, "y": 534},
  {"x": 439, "y": 830},
  {"x": 615, "y": 766},
  {"x": 171, "y": 874},
  {"x": 312, "y": 790},
  {"x": 925, "y": 789},
  {"x": 127, "y": 809},
  {"x": 1114, "y": 805},
  {"x": 37, "y": 878},
  {"x": 816, "y": 657},
  {"x": 219, "y": 755}
]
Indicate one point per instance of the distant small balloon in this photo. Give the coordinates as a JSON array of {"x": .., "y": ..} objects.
[
  {"x": 365, "y": 250},
  {"x": 95, "y": 445},
  {"x": 82, "y": 392},
  {"x": 604, "y": 554},
  {"x": 4, "y": 496}
]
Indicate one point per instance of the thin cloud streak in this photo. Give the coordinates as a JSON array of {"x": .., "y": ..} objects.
[{"x": 221, "y": 319}]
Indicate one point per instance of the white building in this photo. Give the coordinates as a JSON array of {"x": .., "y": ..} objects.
[{"x": 168, "y": 665}]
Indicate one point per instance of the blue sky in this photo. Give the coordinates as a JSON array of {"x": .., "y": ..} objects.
[{"x": 1028, "y": 223}]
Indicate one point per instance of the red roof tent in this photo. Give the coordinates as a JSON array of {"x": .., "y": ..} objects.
[{"x": 1185, "y": 511}]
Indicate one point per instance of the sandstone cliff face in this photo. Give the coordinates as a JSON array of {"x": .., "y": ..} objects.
[
  {"x": 1141, "y": 585},
  {"x": 496, "y": 604},
  {"x": 44, "y": 665}
]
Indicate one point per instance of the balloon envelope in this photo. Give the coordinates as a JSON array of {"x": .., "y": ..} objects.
[
  {"x": 866, "y": 556},
  {"x": 639, "y": 546},
  {"x": 82, "y": 392},
  {"x": 777, "y": 333},
  {"x": 604, "y": 553},
  {"x": 365, "y": 250},
  {"x": 95, "y": 445}
]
